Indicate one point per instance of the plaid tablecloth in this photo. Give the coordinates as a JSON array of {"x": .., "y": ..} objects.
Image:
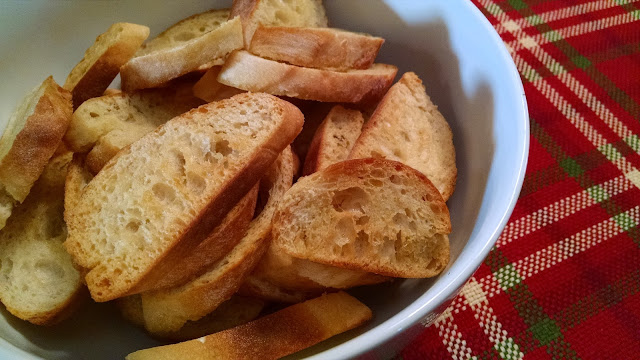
[{"x": 563, "y": 281}]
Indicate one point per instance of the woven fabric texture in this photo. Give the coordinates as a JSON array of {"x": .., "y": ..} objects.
[{"x": 563, "y": 281}]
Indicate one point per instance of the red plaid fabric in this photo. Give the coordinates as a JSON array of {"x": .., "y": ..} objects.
[{"x": 563, "y": 281}]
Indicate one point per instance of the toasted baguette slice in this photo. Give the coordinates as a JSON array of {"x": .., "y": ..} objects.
[
  {"x": 407, "y": 127},
  {"x": 299, "y": 13},
  {"x": 195, "y": 43},
  {"x": 31, "y": 137},
  {"x": 38, "y": 282},
  {"x": 104, "y": 125},
  {"x": 161, "y": 196},
  {"x": 273, "y": 336},
  {"x": 298, "y": 278},
  {"x": 101, "y": 62},
  {"x": 373, "y": 215},
  {"x": 334, "y": 139},
  {"x": 321, "y": 48},
  {"x": 78, "y": 176},
  {"x": 252, "y": 73},
  {"x": 236, "y": 311},
  {"x": 168, "y": 310},
  {"x": 209, "y": 89}
]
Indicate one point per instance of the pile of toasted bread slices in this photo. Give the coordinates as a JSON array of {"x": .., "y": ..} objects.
[{"x": 180, "y": 196}]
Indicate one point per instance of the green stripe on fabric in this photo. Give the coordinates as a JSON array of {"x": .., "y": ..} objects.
[
  {"x": 634, "y": 142},
  {"x": 546, "y": 331},
  {"x": 610, "y": 152},
  {"x": 508, "y": 350},
  {"x": 624, "y": 221},
  {"x": 508, "y": 277},
  {"x": 598, "y": 193}
]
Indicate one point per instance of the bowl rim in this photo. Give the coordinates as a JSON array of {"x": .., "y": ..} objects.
[{"x": 424, "y": 305}]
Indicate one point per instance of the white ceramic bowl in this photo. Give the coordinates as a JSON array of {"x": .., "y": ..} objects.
[{"x": 466, "y": 70}]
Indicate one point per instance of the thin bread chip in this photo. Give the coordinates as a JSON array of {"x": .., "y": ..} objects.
[
  {"x": 195, "y": 43},
  {"x": 333, "y": 139},
  {"x": 299, "y": 13},
  {"x": 321, "y": 48},
  {"x": 252, "y": 73},
  {"x": 101, "y": 62},
  {"x": 407, "y": 127},
  {"x": 30, "y": 139},
  {"x": 271, "y": 337},
  {"x": 128, "y": 228},
  {"x": 209, "y": 89},
  {"x": 168, "y": 310},
  {"x": 38, "y": 282},
  {"x": 372, "y": 215}
]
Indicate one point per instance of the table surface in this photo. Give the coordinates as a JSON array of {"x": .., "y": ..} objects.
[{"x": 563, "y": 281}]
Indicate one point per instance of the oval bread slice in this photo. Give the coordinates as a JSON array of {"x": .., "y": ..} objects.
[
  {"x": 168, "y": 310},
  {"x": 273, "y": 336},
  {"x": 321, "y": 48},
  {"x": 334, "y": 139},
  {"x": 299, "y": 13},
  {"x": 161, "y": 196},
  {"x": 372, "y": 215},
  {"x": 195, "y": 43},
  {"x": 38, "y": 282},
  {"x": 102, "y": 61},
  {"x": 407, "y": 127},
  {"x": 253, "y": 73},
  {"x": 30, "y": 139}
]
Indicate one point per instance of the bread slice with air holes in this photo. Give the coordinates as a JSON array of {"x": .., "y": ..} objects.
[
  {"x": 104, "y": 125},
  {"x": 160, "y": 197},
  {"x": 322, "y": 48},
  {"x": 299, "y": 13},
  {"x": 407, "y": 127},
  {"x": 273, "y": 336},
  {"x": 168, "y": 310},
  {"x": 195, "y": 43},
  {"x": 373, "y": 215},
  {"x": 333, "y": 139},
  {"x": 38, "y": 282},
  {"x": 101, "y": 62},
  {"x": 31, "y": 137},
  {"x": 217, "y": 244},
  {"x": 252, "y": 73},
  {"x": 236, "y": 311}
]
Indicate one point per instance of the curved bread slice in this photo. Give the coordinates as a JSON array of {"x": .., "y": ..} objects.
[
  {"x": 30, "y": 139},
  {"x": 273, "y": 336},
  {"x": 281, "y": 277},
  {"x": 372, "y": 215},
  {"x": 104, "y": 125},
  {"x": 195, "y": 43},
  {"x": 407, "y": 127},
  {"x": 252, "y": 73},
  {"x": 321, "y": 48},
  {"x": 161, "y": 196},
  {"x": 38, "y": 282},
  {"x": 78, "y": 176},
  {"x": 101, "y": 62},
  {"x": 333, "y": 139},
  {"x": 299, "y": 13},
  {"x": 209, "y": 89},
  {"x": 168, "y": 310},
  {"x": 234, "y": 312}
]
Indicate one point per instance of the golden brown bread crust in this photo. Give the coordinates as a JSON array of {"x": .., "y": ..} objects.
[
  {"x": 37, "y": 141},
  {"x": 209, "y": 89},
  {"x": 372, "y": 215},
  {"x": 407, "y": 127},
  {"x": 168, "y": 310},
  {"x": 245, "y": 71},
  {"x": 321, "y": 48},
  {"x": 273, "y": 336},
  {"x": 181, "y": 268},
  {"x": 333, "y": 139},
  {"x": 109, "y": 283},
  {"x": 156, "y": 66},
  {"x": 77, "y": 179},
  {"x": 96, "y": 78}
]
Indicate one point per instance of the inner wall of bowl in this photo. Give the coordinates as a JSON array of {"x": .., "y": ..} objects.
[{"x": 439, "y": 40}]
